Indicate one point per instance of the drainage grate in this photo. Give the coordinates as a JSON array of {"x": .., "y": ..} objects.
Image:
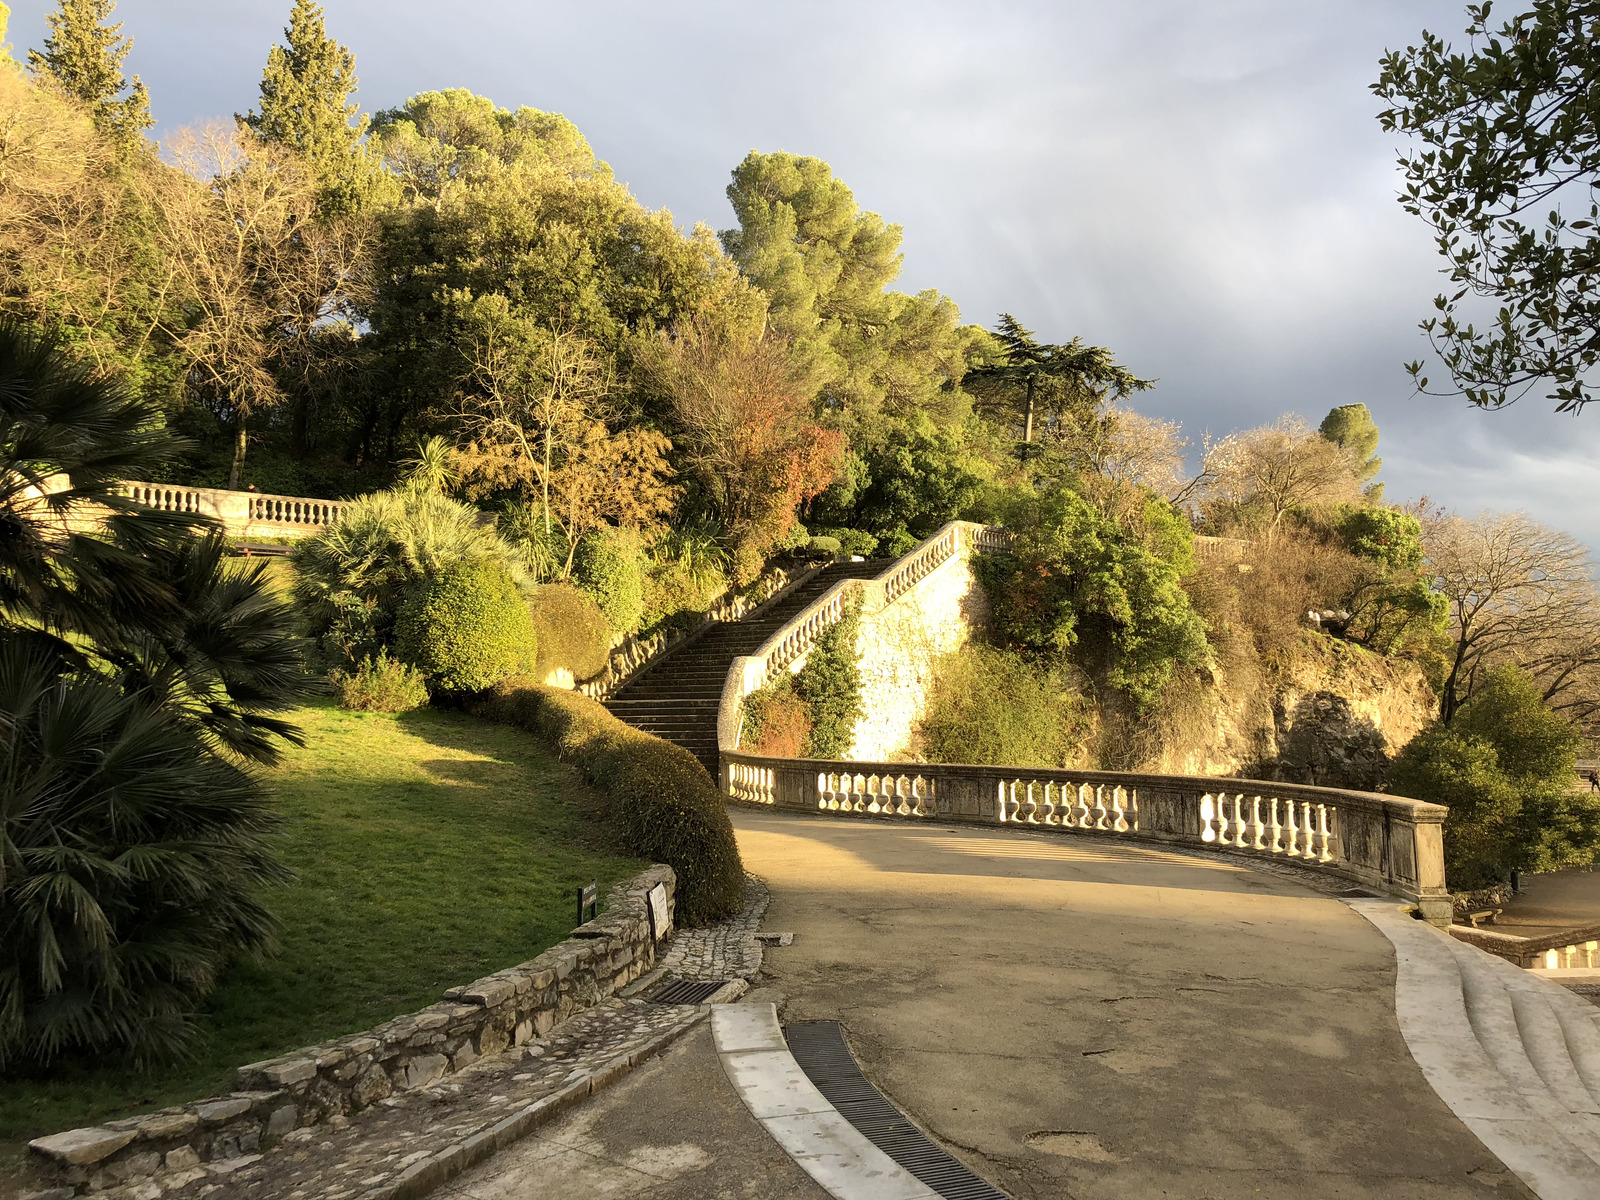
[
  {"x": 684, "y": 991},
  {"x": 819, "y": 1048}
]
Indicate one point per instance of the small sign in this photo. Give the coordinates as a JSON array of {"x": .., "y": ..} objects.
[
  {"x": 660, "y": 918},
  {"x": 588, "y": 898}
]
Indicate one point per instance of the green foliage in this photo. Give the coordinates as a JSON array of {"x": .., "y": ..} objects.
[
  {"x": 1078, "y": 579},
  {"x": 130, "y": 863},
  {"x": 607, "y": 566},
  {"x": 824, "y": 265},
  {"x": 775, "y": 721},
  {"x": 380, "y": 684},
  {"x": 1352, "y": 429},
  {"x": 829, "y": 685},
  {"x": 1505, "y": 768},
  {"x": 1392, "y": 605},
  {"x": 351, "y": 579},
  {"x": 658, "y": 798},
  {"x": 306, "y": 105},
  {"x": 1029, "y": 380},
  {"x": 571, "y": 631},
  {"x": 84, "y": 56},
  {"x": 846, "y": 541},
  {"x": 993, "y": 706},
  {"x": 1507, "y": 129},
  {"x": 466, "y": 629},
  {"x": 823, "y": 544}
]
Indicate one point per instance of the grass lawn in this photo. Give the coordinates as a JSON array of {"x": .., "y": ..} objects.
[{"x": 431, "y": 849}]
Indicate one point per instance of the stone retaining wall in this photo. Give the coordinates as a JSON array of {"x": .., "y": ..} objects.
[{"x": 319, "y": 1083}]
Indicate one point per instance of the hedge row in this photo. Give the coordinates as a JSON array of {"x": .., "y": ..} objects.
[{"x": 659, "y": 798}]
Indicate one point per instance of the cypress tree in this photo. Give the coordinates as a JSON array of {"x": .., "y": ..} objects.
[
  {"x": 84, "y": 56},
  {"x": 306, "y": 105}
]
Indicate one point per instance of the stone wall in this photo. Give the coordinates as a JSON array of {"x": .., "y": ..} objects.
[
  {"x": 318, "y": 1083},
  {"x": 898, "y": 644}
]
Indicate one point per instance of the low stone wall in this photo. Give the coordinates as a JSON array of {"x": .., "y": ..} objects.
[{"x": 318, "y": 1083}]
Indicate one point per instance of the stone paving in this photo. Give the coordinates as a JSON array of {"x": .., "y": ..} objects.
[
  {"x": 406, "y": 1145},
  {"x": 726, "y": 950}
]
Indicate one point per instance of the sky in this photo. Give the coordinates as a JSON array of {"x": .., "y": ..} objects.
[{"x": 1200, "y": 185}]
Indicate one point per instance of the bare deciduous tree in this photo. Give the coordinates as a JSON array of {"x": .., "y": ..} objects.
[
  {"x": 1277, "y": 468},
  {"x": 1521, "y": 593}
]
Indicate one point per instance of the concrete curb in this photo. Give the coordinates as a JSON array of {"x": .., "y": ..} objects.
[
  {"x": 787, "y": 1104},
  {"x": 423, "y": 1177},
  {"x": 1520, "y": 1124}
]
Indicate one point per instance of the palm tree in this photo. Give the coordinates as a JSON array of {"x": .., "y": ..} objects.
[{"x": 140, "y": 675}]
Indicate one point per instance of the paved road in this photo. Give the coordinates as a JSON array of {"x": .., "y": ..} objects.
[
  {"x": 1080, "y": 1018},
  {"x": 673, "y": 1130},
  {"x": 1552, "y": 903}
]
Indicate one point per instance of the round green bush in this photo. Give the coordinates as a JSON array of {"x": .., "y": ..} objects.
[
  {"x": 466, "y": 628},
  {"x": 607, "y": 566},
  {"x": 571, "y": 631}
]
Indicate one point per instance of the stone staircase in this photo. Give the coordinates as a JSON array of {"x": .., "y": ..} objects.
[
  {"x": 677, "y": 696},
  {"x": 1515, "y": 1056}
]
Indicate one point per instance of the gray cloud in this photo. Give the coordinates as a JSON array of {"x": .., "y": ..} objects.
[{"x": 1201, "y": 186}]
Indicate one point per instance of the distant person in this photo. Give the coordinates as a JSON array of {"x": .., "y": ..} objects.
[{"x": 1594, "y": 781}]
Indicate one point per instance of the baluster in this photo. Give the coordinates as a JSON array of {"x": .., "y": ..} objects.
[
  {"x": 1120, "y": 823},
  {"x": 1100, "y": 813},
  {"x": 1277, "y": 829},
  {"x": 1294, "y": 830},
  {"x": 1032, "y": 815},
  {"x": 1239, "y": 823},
  {"x": 902, "y": 790},
  {"x": 1133, "y": 807},
  {"x": 1590, "y": 959},
  {"x": 822, "y": 790},
  {"x": 872, "y": 794},
  {"x": 1307, "y": 836},
  {"x": 1084, "y": 792},
  {"x": 1051, "y": 791},
  {"x": 860, "y": 793},
  {"x": 1257, "y": 829},
  {"x": 1207, "y": 810},
  {"x": 1323, "y": 838}
]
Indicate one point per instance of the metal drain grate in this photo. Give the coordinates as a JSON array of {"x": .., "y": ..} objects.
[
  {"x": 684, "y": 991},
  {"x": 819, "y": 1048}
]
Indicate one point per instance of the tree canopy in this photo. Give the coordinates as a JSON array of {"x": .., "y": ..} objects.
[
  {"x": 84, "y": 56},
  {"x": 1508, "y": 136}
]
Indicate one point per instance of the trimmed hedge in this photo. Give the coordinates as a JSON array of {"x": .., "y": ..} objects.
[
  {"x": 572, "y": 631},
  {"x": 659, "y": 798},
  {"x": 607, "y": 566},
  {"x": 466, "y": 629}
]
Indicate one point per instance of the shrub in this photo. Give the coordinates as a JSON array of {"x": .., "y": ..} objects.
[
  {"x": 830, "y": 685},
  {"x": 1504, "y": 767},
  {"x": 822, "y": 544},
  {"x": 659, "y": 800},
  {"x": 132, "y": 866},
  {"x": 570, "y": 630},
  {"x": 380, "y": 684},
  {"x": 466, "y": 629},
  {"x": 776, "y": 721},
  {"x": 994, "y": 707},
  {"x": 607, "y": 567},
  {"x": 351, "y": 580},
  {"x": 851, "y": 541}
]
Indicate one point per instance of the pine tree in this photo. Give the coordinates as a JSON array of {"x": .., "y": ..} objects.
[
  {"x": 84, "y": 56},
  {"x": 306, "y": 105}
]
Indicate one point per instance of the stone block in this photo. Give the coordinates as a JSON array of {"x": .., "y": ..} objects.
[
  {"x": 433, "y": 1018},
  {"x": 490, "y": 993},
  {"x": 182, "y": 1158},
  {"x": 523, "y": 1034},
  {"x": 285, "y": 1072},
  {"x": 133, "y": 1166},
  {"x": 464, "y": 1056},
  {"x": 282, "y": 1120},
  {"x": 541, "y": 979},
  {"x": 543, "y": 1022},
  {"x": 373, "y": 1086},
  {"x": 169, "y": 1125},
  {"x": 250, "y": 1142},
  {"x": 80, "y": 1147},
  {"x": 217, "y": 1111},
  {"x": 492, "y": 1039},
  {"x": 425, "y": 1069}
]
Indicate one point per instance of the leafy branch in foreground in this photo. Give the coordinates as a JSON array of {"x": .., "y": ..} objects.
[{"x": 1508, "y": 133}]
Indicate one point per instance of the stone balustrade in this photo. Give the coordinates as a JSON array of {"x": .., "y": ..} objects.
[
  {"x": 242, "y": 514},
  {"x": 795, "y": 639},
  {"x": 1388, "y": 843},
  {"x": 1566, "y": 950}
]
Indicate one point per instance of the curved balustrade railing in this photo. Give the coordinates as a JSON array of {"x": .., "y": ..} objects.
[
  {"x": 242, "y": 514},
  {"x": 1388, "y": 843},
  {"x": 800, "y": 633}
]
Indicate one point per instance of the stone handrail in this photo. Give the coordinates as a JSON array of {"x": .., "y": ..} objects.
[
  {"x": 796, "y": 637},
  {"x": 1569, "y": 948},
  {"x": 1388, "y": 843},
  {"x": 635, "y": 653},
  {"x": 242, "y": 514}
]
